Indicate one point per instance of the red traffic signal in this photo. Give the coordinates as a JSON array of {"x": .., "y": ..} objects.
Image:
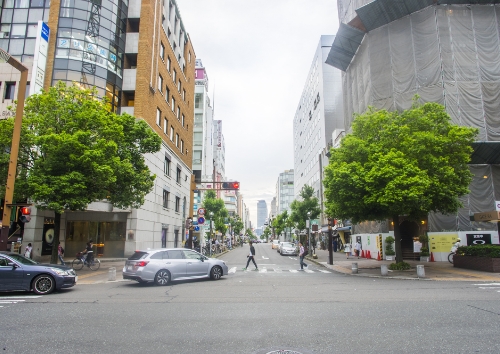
[
  {"x": 25, "y": 214},
  {"x": 231, "y": 185}
]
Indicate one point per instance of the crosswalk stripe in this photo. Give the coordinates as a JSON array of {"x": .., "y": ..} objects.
[
  {"x": 277, "y": 270},
  {"x": 232, "y": 270},
  {"x": 263, "y": 270},
  {"x": 308, "y": 271},
  {"x": 293, "y": 271},
  {"x": 323, "y": 271}
]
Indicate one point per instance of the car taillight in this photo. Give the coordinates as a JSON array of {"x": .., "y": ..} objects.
[{"x": 141, "y": 263}]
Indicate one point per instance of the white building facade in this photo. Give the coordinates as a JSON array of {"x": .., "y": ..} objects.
[{"x": 319, "y": 113}]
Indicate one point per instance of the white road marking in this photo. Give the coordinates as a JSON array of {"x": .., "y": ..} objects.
[
  {"x": 323, "y": 271},
  {"x": 21, "y": 297},
  {"x": 232, "y": 270},
  {"x": 293, "y": 258},
  {"x": 277, "y": 270},
  {"x": 264, "y": 257},
  {"x": 293, "y": 271},
  {"x": 11, "y": 302},
  {"x": 263, "y": 270},
  {"x": 308, "y": 271},
  {"x": 496, "y": 287},
  {"x": 487, "y": 284}
]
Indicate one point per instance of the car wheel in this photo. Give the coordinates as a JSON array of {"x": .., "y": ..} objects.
[
  {"x": 162, "y": 277},
  {"x": 43, "y": 284},
  {"x": 216, "y": 273}
]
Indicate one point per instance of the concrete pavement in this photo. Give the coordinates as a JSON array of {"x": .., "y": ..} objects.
[{"x": 371, "y": 268}]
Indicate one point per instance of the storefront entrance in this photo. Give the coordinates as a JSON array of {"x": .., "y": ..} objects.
[{"x": 108, "y": 237}]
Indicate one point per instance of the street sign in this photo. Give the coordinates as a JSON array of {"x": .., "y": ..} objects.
[
  {"x": 201, "y": 220},
  {"x": 196, "y": 228},
  {"x": 195, "y": 222},
  {"x": 201, "y": 211}
]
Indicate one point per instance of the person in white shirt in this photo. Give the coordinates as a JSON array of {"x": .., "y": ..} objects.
[
  {"x": 455, "y": 246},
  {"x": 357, "y": 248},
  {"x": 302, "y": 255},
  {"x": 347, "y": 249}
]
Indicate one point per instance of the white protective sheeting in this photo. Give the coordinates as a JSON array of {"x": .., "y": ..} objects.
[{"x": 448, "y": 54}]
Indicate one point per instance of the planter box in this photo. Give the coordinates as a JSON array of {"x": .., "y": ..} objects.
[
  {"x": 424, "y": 258},
  {"x": 390, "y": 258},
  {"x": 484, "y": 264}
]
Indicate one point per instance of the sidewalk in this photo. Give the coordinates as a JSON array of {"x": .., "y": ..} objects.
[{"x": 371, "y": 268}]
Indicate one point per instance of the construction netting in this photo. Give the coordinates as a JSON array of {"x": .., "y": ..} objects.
[{"x": 448, "y": 54}]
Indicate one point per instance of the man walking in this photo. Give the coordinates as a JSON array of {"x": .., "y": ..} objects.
[
  {"x": 302, "y": 255},
  {"x": 251, "y": 257},
  {"x": 357, "y": 248}
]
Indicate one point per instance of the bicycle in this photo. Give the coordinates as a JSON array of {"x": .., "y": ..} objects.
[
  {"x": 450, "y": 257},
  {"x": 81, "y": 260}
]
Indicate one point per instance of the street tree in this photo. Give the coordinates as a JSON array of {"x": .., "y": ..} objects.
[
  {"x": 81, "y": 152},
  {"x": 215, "y": 205},
  {"x": 299, "y": 208},
  {"x": 237, "y": 225},
  {"x": 266, "y": 234},
  {"x": 399, "y": 164}
]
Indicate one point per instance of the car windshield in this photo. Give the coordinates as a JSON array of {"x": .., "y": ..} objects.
[
  {"x": 22, "y": 259},
  {"x": 288, "y": 244}
]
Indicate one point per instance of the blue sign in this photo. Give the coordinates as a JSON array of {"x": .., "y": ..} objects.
[
  {"x": 201, "y": 220},
  {"x": 195, "y": 222},
  {"x": 45, "y": 31},
  {"x": 196, "y": 228}
]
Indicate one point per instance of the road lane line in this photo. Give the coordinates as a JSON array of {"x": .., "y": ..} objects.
[
  {"x": 20, "y": 297},
  {"x": 323, "y": 271}
]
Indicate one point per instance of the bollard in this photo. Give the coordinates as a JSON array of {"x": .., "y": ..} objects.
[
  {"x": 383, "y": 269},
  {"x": 112, "y": 274},
  {"x": 355, "y": 268},
  {"x": 420, "y": 271}
]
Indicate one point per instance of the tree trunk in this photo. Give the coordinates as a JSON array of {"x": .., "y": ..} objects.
[
  {"x": 397, "y": 239},
  {"x": 55, "y": 243}
]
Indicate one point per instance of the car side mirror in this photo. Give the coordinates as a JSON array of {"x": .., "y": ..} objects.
[
  {"x": 12, "y": 264},
  {"x": 202, "y": 259}
]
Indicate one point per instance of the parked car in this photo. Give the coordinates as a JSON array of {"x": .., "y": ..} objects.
[
  {"x": 164, "y": 265},
  {"x": 275, "y": 244},
  {"x": 288, "y": 248},
  {"x": 18, "y": 273}
]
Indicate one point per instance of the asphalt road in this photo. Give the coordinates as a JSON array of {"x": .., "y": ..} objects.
[{"x": 257, "y": 312}]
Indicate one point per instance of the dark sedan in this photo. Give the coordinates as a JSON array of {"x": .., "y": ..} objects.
[{"x": 20, "y": 273}]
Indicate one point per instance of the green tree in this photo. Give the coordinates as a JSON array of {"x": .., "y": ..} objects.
[
  {"x": 299, "y": 208},
  {"x": 266, "y": 234},
  {"x": 409, "y": 163},
  {"x": 80, "y": 152},
  {"x": 215, "y": 205},
  {"x": 237, "y": 225},
  {"x": 250, "y": 234}
]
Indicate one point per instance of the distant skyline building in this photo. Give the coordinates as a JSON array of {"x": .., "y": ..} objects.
[
  {"x": 274, "y": 208},
  {"x": 284, "y": 191},
  {"x": 319, "y": 114},
  {"x": 261, "y": 213}
]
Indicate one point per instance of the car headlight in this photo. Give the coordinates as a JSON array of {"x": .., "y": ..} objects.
[{"x": 59, "y": 271}]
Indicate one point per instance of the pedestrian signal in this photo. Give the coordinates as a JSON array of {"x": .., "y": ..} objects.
[
  {"x": 231, "y": 185},
  {"x": 25, "y": 214}
]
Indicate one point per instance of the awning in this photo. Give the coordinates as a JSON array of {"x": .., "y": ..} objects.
[
  {"x": 381, "y": 12},
  {"x": 345, "y": 45},
  {"x": 486, "y": 152}
]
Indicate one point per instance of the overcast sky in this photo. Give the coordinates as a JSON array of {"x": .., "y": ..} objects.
[{"x": 257, "y": 54}]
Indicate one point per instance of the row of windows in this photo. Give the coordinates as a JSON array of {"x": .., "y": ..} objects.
[
  {"x": 24, "y": 4},
  {"x": 166, "y": 170},
  {"x": 179, "y": 143},
  {"x": 166, "y": 199}
]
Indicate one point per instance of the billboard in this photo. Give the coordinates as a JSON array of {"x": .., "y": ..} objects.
[{"x": 40, "y": 58}]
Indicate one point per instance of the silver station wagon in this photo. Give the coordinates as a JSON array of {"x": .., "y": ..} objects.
[
  {"x": 170, "y": 264},
  {"x": 288, "y": 248}
]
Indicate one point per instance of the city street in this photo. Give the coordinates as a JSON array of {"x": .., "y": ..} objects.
[{"x": 278, "y": 307}]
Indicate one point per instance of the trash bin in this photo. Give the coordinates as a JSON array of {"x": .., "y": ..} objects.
[{"x": 420, "y": 271}]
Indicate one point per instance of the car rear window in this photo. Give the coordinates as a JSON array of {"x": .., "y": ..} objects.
[{"x": 138, "y": 255}]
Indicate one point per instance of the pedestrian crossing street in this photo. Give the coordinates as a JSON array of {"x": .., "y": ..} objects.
[
  {"x": 265, "y": 270},
  {"x": 8, "y": 301}
]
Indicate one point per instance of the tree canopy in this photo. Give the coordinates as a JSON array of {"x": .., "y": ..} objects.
[
  {"x": 299, "y": 208},
  {"x": 74, "y": 151},
  {"x": 409, "y": 163},
  {"x": 215, "y": 205}
]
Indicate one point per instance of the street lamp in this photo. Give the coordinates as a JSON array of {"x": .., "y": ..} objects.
[
  {"x": 210, "y": 238},
  {"x": 14, "y": 150},
  {"x": 309, "y": 231}
]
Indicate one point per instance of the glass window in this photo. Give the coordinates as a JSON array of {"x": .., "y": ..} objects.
[
  {"x": 182, "y": 146},
  {"x": 192, "y": 255},
  {"x": 162, "y": 51},
  {"x": 8, "y": 4},
  {"x": 171, "y": 133},
  {"x": 35, "y": 15},
  {"x": 177, "y": 140},
  {"x": 177, "y": 204},
  {"x": 157, "y": 255},
  {"x": 166, "y": 195},
  {"x": 5, "y": 31},
  {"x": 179, "y": 86},
  {"x": 21, "y": 4},
  {"x": 197, "y": 100},
  {"x": 29, "y": 47},
  {"x": 32, "y": 31},
  {"x": 167, "y": 93},
  {"x": 158, "y": 117},
  {"x": 18, "y": 31},
  {"x": 7, "y": 16},
  {"x": 166, "y": 166},
  {"x": 160, "y": 83},
  {"x": 175, "y": 255},
  {"x": 174, "y": 76},
  {"x": 37, "y": 3},
  {"x": 178, "y": 112},
  {"x": 10, "y": 88},
  {"x": 165, "y": 125},
  {"x": 178, "y": 175},
  {"x": 168, "y": 64},
  {"x": 173, "y": 104},
  {"x": 183, "y": 119},
  {"x": 16, "y": 46},
  {"x": 20, "y": 16}
]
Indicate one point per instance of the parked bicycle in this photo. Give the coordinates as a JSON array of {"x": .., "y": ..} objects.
[
  {"x": 81, "y": 260},
  {"x": 454, "y": 249}
]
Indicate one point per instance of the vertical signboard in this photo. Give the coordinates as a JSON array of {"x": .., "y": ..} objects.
[
  {"x": 218, "y": 132},
  {"x": 40, "y": 58}
]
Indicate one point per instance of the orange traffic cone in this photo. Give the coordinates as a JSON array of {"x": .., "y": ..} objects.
[
  {"x": 362, "y": 253},
  {"x": 368, "y": 254},
  {"x": 378, "y": 256},
  {"x": 432, "y": 258}
]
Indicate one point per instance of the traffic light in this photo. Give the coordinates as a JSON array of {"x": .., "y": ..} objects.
[
  {"x": 25, "y": 215},
  {"x": 231, "y": 185}
]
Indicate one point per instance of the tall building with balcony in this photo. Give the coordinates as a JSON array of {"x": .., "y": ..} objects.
[
  {"x": 285, "y": 191},
  {"x": 319, "y": 113},
  {"x": 139, "y": 56}
]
